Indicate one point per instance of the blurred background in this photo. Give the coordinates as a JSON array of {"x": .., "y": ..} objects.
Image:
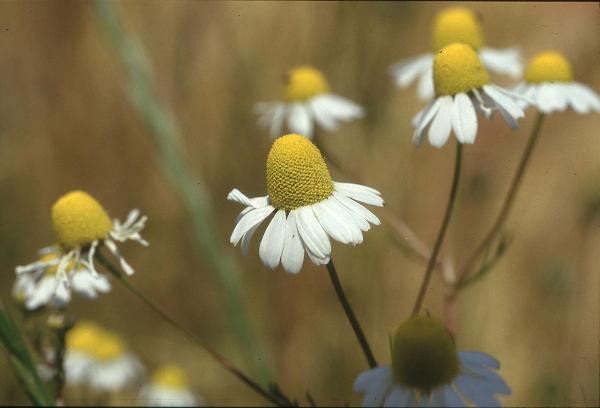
[{"x": 66, "y": 123}]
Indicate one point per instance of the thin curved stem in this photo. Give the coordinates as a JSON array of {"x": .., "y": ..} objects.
[
  {"x": 440, "y": 239},
  {"x": 364, "y": 344},
  {"x": 191, "y": 336},
  {"x": 508, "y": 201}
]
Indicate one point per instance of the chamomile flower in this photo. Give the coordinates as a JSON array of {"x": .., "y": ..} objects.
[
  {"x": 169, "y": 387},
  {"x": 462, "y": 86},
  {"x": 306, "y": 100},
  {"x": 309, "y": 208},
  {"x": 549, "y": 84},
  {"x": 80, "y": 343},
  {"x": 426, "y": 371},
  {"x": 81, "y": 225},
  {"x": 456, "y": 24}
]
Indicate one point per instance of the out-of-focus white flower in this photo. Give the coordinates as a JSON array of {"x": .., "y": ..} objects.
[
  {"x": 452, "y": 25},
  {"x": 307, "y": 101},
  {"x": 169, "y": 387}
]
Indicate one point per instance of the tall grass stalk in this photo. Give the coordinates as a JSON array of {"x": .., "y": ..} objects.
[{"x": 193, "y": 193}]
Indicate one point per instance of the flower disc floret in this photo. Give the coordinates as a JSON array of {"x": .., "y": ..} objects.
[
  {"x": 548, "y": 67},
  {"x": 108, "y": 347},
  {"x": 457, "y": 69},
  {"x": 423, "y": 354},
  {"x": 83, "y": 337},
  {"x": 78, "y": 220},
  {"x": 171, "y": 376},
  {"x": 457, "y": 24},
  {"x": 296, "y": 173},
  {"x": 303, "y": 83}
]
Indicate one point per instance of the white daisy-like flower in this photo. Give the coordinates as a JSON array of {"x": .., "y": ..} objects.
[
  {"x": 550, "y": 86},
  {"x": 98, "y": 358},
  {"x": 307, "y": 100},
  {"x": 462, "y": 86},
  {"x": 309, "y": 208},
  {"x": 426, "y": 371},
  {"x": 81, "y": 225},
  {"x": 452, "y": 25},
  {"x": 169, "y": 387}
]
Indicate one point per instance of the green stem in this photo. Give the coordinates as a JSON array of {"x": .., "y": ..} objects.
[
  {"x": 191, "y": 336},
  {"x": 364, "y": 344},
  {"x": 440, "y": 239},
  {"x": 193, "y": 193},
  {"x": 508, "y": 201}
]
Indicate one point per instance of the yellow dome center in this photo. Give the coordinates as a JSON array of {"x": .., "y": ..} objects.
[
  {"x": 548, "y": 67},
  {"x": 78, "y": 219},
  {"x": 296, "y": 173},
  {"x": 456, "y": 69},
  {"x": 303, "y": 83},
  {"x": 423, "y": 354},
  {"x": 108, "y": 347},
  {"x": 457, "y": 24},
  {"x": 83, "y": 337},
  {"x": 170, "y": 376}
]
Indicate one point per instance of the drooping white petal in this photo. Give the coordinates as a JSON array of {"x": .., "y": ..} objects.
[
  {"x": 549, "y": 98},
  {"x": 249, "y": 220},
  {"x": 338, "y": 108},
  {"x": 322, "y": 114},
  {"x": 451, "y": 397},
  {"x": 293, "y": 252},
  {"x": 425, "y": 88},
  {"x": 337, "y": 222},
  {"x": 478, "y": 358},
  {"x": 272, "y": 115},
  {"x": 488, "y": 378},
  {"x": 271, "y": 245},
  {"x": 508, "y": 107},
  {"x": 313, "y": 236},
  {"x": 360, "y": 193},
  {"x": 480, "y": 395},
  {"x": 502, "y": 61},
  {"x": 112, "y": 247},
  {"x": 425, "y": 117},
  {"x": 586, "y": 95},
  {"x": 464, "y": 119},
  {"x": 441, "y": 126},
  {"x": 400, "y": 397},
  {"x": 357, "y": 209},
  {"x": 42, "y": 293},
  {"x": 246, "y": 238},
  {"x": 237, "y": 196},
  {"x": 299, "y": 120}
]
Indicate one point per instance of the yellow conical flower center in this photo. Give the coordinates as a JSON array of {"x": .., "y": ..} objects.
[
  {"x": 108, "y": 347},
  {"x": 548, "y": 67},
  {"x": 457, "y": 24},
  {"x": 423, "y": 354},
  {"x": 296, "y": 173},
  {"x": 79, "y": 219},
  {"x": 83, "y": 337},
  {"x": 170, "y": 376},
  {"x": 303, "y": 83},
  {"x": 456, "y": 69}
]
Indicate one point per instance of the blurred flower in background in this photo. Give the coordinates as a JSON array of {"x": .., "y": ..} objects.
[
  {"x": 550, "y": 86},
  {"x": 462, "y": 86},
  {"x": 307, "y": 102},
  {"x": 426, "y": 371},
  {"x": 452, "y": 25},
  {"x": 169, "y": 386}
]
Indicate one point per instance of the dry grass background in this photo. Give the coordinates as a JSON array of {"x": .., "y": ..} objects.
[{"x": 65, "y": 123}]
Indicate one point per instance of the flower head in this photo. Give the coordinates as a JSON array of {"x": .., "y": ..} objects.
[
  {"x": 456, "y": 24},
  {"x": 309, "y": 206},
  {"x": 462, "y": 85},
  {"x": 169, "y": 387},
  {"x": 450, "y": 26},
  {"x": 426, "y": 370},
  {"x": 81, "y": 225},
  {"x": 307, "y": 100},
  {"x": 550, "y": 86}
]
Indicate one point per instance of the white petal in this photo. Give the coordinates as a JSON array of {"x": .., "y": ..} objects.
[
  {"x": 472, "y": 389},
  {"x": 505, "y": 61},
  {"x": 322, "y": 114},
  {"x": 337, "y": 222},
  {"x": 425, "y": 88},
  {"x": 271, "y": 246},
  {"x": 506, "y": 103},
  {"x": 293, "y": 252},
  {"x": 299, "y": 120},
  {"x": 425, "y": 116},
  {"x": 400, "y": 397},
  {"x": 246, "y": 238},
  {"x": 313, "y": 236},
  {"x": 340, "y": 108},
  {"x": 248, "y": 221},
  {"x": 550, "y": 98},
  {"x": 586, "y": 95},
  {"x": 272, "y": 116},
  {"x": 405, "y": 72},
  {"x": 357, "y": 209},
  {"x": 441, "y": 126},
  {"x": 464, "y": 119},
  {"x": 451, "y": 397},
  {"x": 43, "y": 292},
  {"x": 360, "y": 193},
  {"x": 478, "y": 358},
  {"x": 239, "y": 197}
]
